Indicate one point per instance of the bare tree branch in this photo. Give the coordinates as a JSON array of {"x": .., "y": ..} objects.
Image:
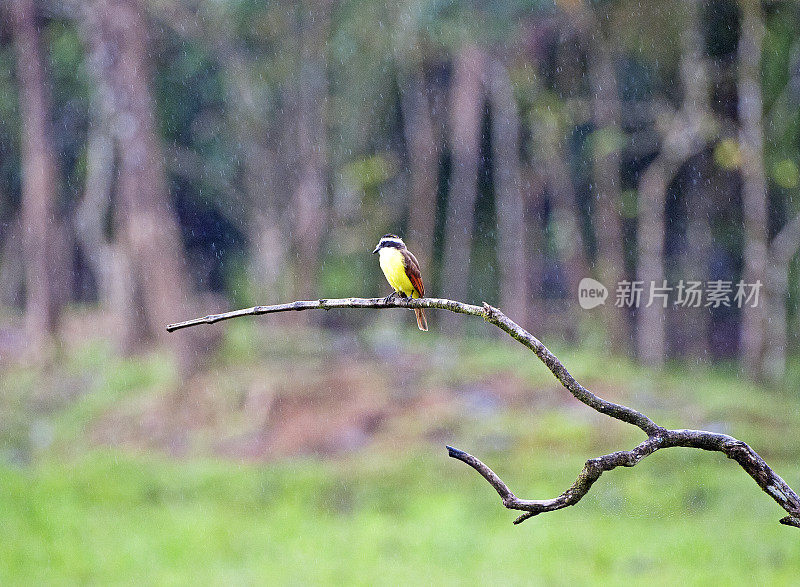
[{"x": 657, "y": 436}]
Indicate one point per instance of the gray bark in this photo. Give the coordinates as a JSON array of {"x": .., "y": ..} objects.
[
  {"x": 782, "y": 250},
  {"x": 607, "y": 182},
  {"x": 566, "y": 217},
  {"x": 39, "y": 178},
  {"x": 109, "y": 262},
  {"x": 687, "y": 133},
  {"x": 250, "y": 125},
  {"x": 12, "y": 266},
  {"x": 512, "y": 241},
  {"x": 308, "y": 201},
  {"x": 147, "y": 229},
  {"x": 754, "y": 184},
  {"x": 691, "y": 335},
  {"x": 466, "y": 112},
  {"x": 423, "y": 147}
]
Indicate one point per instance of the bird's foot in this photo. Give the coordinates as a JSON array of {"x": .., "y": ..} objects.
[{"x": 390, "y": 297}]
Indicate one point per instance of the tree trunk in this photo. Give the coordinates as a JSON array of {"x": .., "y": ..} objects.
[
  {"x": 148, "y": 228},
  {"x": 251, "y": 127},
  {"x": 754, "y": 185},
  {"x": 308, "y": 202},
  {"x": 258, "y": 130},
  {"x": 776, "y": 292},
  {"x": 685, "y": 138},
  {"x": 534, "y": 182},
  {"x": 39, "y": 178},
  {"x": 466, "y": 113},
  {"x": 12, "y": 265},
  {"x": 607, "y": 181},
  {"x": 692, "y": 335},
  {"x": 512, "y": 241},
  {"x": 651, "y": 328},
  {"x": 423, "y": 146},
  {"x": 109, "y": 262},
  {"x": 566, "y": 216}
]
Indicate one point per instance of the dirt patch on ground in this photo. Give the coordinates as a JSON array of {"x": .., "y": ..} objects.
[{"x": 335, "y": 407}]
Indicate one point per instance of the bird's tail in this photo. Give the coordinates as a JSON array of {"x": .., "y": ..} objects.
[{"x": 422, "y": 323}]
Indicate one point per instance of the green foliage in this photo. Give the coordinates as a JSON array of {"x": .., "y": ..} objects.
[
  {"x": 779, "y": 44},
  {"x": 727, "y": 154},
  {"x": 786, "y": 174},
  {"x": 189, "y": 92},
  {"x": 341, "y": 276},
  {"x": 629, "y": 204},
  {"x": 782, "y": 118},
  {"x": 368, "y": 173},
  {"x": 606, "y": 141},
  {"x": 67, "y": 60},
  {"x": 451, "y": 24}
]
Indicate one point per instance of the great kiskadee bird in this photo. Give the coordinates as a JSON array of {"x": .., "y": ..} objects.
[{"x": 402, "y": 272}]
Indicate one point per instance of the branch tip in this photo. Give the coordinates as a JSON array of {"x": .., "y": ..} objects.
[
  {"x": 524, "y": 517},
  {"x": 455, "y": 453},
  {"x": 790, "y": 521}
]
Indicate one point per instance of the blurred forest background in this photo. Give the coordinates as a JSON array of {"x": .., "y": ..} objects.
[
  {"x": 166, "y": 159},
  {"x": 157, "y": 151}
]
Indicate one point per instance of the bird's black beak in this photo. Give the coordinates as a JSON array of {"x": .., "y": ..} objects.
[{"x": 376, "y": 249}]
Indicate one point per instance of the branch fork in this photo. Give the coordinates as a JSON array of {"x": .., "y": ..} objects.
[{"x": 657, "y": 436}]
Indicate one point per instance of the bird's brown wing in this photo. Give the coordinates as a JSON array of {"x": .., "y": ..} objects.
[{"x": 412, "y": 270}]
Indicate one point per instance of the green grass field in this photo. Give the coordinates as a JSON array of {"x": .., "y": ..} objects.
[{"x": 78, "y": 508}]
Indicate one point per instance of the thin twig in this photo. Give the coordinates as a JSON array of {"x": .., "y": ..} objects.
[{"x": 657, "y": 437}]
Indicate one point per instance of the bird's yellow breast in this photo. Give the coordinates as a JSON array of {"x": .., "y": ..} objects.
[{"x": 394, "y": 268}]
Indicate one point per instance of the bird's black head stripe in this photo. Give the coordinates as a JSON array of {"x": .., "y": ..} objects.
[{"x": 392, "y": 241}]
